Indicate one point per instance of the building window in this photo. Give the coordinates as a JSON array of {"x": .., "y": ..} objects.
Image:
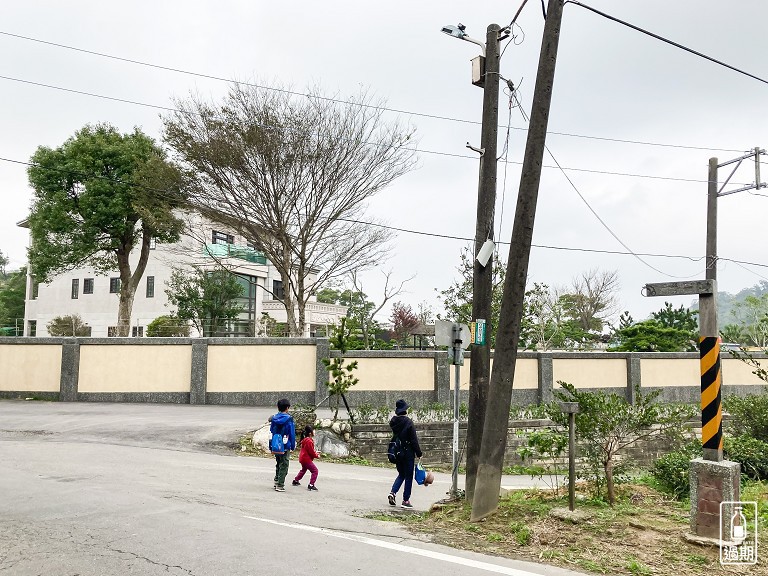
[
  {"x": 152, "y": 243},
  {"x": 75, "y": 288},
  {"x": 32, "y": 327},
  {"x": 278, "y": 292},
  {"x": 137, "y": 331},
  {"x": 35, "y": 288},
  {"x": 221, "y": 238},
  {"x": 87, "y": 285},
  {"x": 256, "y": 246},
  {"x": 150, "y": 286},
  {"x": 114, "y": 285}
]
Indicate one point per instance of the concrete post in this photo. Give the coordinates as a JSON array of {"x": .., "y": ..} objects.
[
  {"x": 442, "y": 377},
  {"x": 70, "y": 370},
  {"x": 633, "y": 377},
  {"x": 323, "y": 347},
  {"x": 198, "y": 381},
  {"x": 546, "y": 377}
]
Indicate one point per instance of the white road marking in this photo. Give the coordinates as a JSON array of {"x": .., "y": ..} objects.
[{"x": 487, "y": 566}]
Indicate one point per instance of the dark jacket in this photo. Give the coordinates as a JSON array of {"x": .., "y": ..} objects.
[
  {"x": 282, "y": 423},
  {"x": 403, "y": 427}
]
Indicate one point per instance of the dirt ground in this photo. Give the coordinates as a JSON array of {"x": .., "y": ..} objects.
[{"x": 641, "y": 536}]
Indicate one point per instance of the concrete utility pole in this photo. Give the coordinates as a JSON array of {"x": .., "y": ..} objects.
[
  {"x": 482, "y": 274},
  {"x": 714, "y": 481},
  {"x": 491, "y": 461}
]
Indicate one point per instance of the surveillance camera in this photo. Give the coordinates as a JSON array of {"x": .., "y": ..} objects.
[{"x": 454, "y": 31}]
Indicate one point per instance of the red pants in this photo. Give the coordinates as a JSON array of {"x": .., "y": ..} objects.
[{"x": 308, "y": 465}]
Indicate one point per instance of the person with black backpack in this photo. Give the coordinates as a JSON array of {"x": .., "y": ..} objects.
[{"x": 403, "y": 428}]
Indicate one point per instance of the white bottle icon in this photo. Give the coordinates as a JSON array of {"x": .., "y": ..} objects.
[{"x": 738, "y": 525}]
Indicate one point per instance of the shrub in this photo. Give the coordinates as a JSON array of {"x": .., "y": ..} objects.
[
  {"x": 749, "y": 415},
  {"x": 671, "y": 471},
  {"x": 71, "y": 325},
  {"x": 168, "y": 327},
  {"x": 750, "y": 452}
]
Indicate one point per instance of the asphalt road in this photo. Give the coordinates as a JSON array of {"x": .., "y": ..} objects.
[{"x": 113, "y": 489}]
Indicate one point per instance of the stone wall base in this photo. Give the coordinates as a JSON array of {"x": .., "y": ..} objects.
[{"x": 713, "y": 483}]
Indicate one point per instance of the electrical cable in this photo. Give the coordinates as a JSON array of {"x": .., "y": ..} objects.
[
  {"x": 589, "y": 206},
  {"x": 167, "y": 194},
  {"x": 294, "y": 93},
  {"x": 666, "y": 40},
  {"x": 423, "y": 151}
]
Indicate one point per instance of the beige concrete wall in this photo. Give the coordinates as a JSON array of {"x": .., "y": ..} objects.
[
  {"x": 669, "y": 372},
  {"x": 116, "y": 368},
  {"x": 30, "y": 368},
  {"x": 526, "y": 374},
  {"x": 261, "y": 368},
  {"x": 590, "y": 373},
  {"x": 736, "y": 372},
  {"x": 396, "y": 374}
]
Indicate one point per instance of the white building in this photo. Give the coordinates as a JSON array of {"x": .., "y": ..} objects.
[{"x": 95, "y": 297}]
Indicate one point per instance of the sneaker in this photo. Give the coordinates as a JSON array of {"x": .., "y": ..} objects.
[
  {"x": 391, "y": 499},
  {"x": 295, "y": 483},
  {"x": 312, "y": 487},
  {"x": 279, "y": 488},
  {"x": 406, "y": 504}
]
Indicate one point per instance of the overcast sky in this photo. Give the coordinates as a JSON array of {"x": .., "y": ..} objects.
[{"x": 613, "y": 85}]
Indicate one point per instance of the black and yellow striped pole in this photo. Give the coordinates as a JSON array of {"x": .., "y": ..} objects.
[
  {"x": 709, "y": 341},
  {"x": 711, "y": 408}
]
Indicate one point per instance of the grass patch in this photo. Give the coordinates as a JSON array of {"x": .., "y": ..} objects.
[{"x": 641, "y": 536}]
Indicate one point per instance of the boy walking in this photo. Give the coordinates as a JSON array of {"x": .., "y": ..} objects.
[{"x": 282, "y": 423}]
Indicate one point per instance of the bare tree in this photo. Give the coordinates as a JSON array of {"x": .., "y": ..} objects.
[
  {"x": 294, "y": 175},
  {"x": 592, "y": 298},
  {"x": 389, "y": 292}
]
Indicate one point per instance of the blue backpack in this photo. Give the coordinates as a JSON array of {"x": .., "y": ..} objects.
[{"x": 277, "y": 443}]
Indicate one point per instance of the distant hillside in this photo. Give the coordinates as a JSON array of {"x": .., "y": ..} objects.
[{"x": 726, "y": 302}]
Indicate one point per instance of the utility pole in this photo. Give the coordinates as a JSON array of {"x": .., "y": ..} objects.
[
  {"x": 482, "y": 274},
  {"x": 491, "y": 460},
  {"x": 712, "y": 429},
  {"x": 714, "y": 481}
]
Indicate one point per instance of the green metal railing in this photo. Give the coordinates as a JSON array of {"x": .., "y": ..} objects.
[{"x": 235, "y": 251}]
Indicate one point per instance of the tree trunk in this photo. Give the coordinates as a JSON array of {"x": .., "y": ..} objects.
[
  {"x": 608, "y": 467},
  {"x": 125, "y": 307},
  {"x": 129, "y": 282}
]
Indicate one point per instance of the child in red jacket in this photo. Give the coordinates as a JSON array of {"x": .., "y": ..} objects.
[{"x": 306, "y": 457}]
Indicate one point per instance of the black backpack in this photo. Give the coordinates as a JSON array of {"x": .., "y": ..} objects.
[{"x": 395, "y": 450}]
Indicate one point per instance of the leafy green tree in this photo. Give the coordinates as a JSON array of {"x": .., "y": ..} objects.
[
  {"x": 341, "y": 372},
  {"x": 68, "y": 326},
  {"x": 668, "y": 330},
  {"x": 607, "y": 423},
  {"x": 95, "y": 201},
  {"x": 168, "y": 326},
  {"x": 752, "y": 314},
  {"x": 207, "y": 298},
  {"x": 734, "y": 334},
  {"x": 3, "y": 263},
  {"x": 12, "y": 295},
  {"x": 457, "y": 299}
]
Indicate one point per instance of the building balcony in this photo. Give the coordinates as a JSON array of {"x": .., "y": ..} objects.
[{"x": 234, "y": 251}]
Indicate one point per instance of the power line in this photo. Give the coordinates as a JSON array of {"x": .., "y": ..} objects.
[
  {"x": 589, "y": 206},
  {"x": 423, "y": 151},
  {"x": 169, "y": 195},
  {"x": 666, "y": 40},
  {"x": 382, "y": 108}
]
